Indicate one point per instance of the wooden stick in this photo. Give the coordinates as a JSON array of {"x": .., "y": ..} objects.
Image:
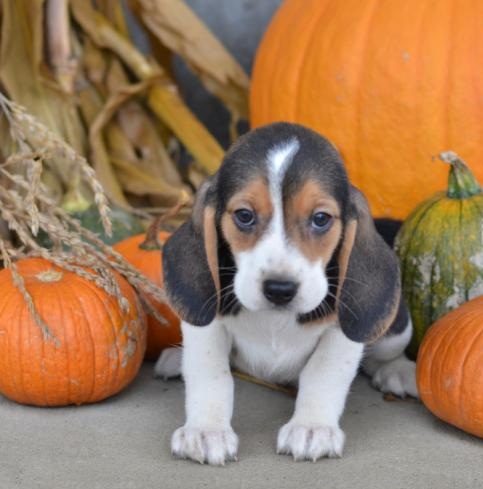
[{"x": 291, "y": 391}]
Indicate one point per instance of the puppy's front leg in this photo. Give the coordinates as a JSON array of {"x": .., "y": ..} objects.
[
  {"x": 314, "y": 431},
  {"x": 207, "y": 435}
]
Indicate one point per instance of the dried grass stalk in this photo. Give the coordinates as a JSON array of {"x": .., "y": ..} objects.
[
  {"x": 23, "y": 125},
  {"x": 27, "y": 208},
  {"x": 7, "y": 253},
  {"x": 291, "y": 391}
]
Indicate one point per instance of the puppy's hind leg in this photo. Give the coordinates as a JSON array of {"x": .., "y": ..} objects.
[
  {"x": 390, "y": 369},
  {"x": 168, "y": 364}
]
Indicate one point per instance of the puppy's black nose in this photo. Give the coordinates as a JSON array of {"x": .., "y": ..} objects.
[{"x": 279, "y": 292}]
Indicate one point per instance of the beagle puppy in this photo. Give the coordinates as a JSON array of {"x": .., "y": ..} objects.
[{"x": 280, "y": 273}]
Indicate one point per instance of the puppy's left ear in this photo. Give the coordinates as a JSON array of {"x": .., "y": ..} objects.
[
  {"x": 369, "y": 290},
  {"x": 190, "y": 262}
]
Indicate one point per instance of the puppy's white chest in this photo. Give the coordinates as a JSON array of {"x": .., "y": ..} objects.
[{"x": 270, "y": 345}]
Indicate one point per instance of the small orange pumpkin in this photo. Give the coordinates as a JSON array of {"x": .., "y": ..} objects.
[
  {"x": 147, "y": 259},
  {"x": 96, "y": 348},
  {"x": 449, "y": 367}
]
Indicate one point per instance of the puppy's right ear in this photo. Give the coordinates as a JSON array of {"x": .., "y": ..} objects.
[
  {"x": 190, "y": 262},
  {"x": 369, "y": 295}
]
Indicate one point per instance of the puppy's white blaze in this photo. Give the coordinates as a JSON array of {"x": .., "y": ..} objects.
[
  {"x": 281, "y": 155},
  {"x": 279, "y": 158}
]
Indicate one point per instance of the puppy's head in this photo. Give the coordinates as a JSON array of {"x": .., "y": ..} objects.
[
  {"x": 275, "y": 228},
  {"x": 283, "y": 194}
]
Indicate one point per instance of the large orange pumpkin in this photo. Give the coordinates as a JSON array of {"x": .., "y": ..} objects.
[
  {"x": 148, "y": 261},
  {"x": 390, "y": 82},
  {"x": 96, "y": 349},
  {"x": 450, "y": 367}
]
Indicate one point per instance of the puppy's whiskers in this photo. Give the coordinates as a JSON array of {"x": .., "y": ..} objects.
[
  {"x": 360, "y": 282},
  {"x": 232, "y": 268},
  {"x": 233, "y": 300},
  {"x": 214, "y": 297},
  {"x": 342, "y": 303}
]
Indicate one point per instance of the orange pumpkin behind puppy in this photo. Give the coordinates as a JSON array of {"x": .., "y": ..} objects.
[{"x": 147, "y": 259}]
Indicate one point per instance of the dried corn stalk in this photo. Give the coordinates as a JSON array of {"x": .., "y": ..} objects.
[{"x": 26, "y": 80}]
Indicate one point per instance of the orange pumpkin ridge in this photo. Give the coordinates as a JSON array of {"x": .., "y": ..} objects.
[
  {"x": 97, "y": 350},
  {"x": 449, "y": 367}
]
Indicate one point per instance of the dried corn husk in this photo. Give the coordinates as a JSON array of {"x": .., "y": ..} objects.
[
  {"x": 163, "y": 96},
  {"x": 177, "y": 27},
  {"x": 24, "y": 76},
  {"x": 73, "y": 64}
]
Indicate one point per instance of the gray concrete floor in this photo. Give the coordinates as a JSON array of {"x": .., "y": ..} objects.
[{"x": 124, "y": 443}]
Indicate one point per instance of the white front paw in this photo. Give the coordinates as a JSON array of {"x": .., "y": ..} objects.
[
  {"x": 204, "y": 445},
  {"x": 398, "y": 377},
  {"x": 310, "y": 442}
]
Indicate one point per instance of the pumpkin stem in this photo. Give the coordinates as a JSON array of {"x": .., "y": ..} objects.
[
  {"x": 152, "y": 234},
  {"x": 461, "y": 181},
  {"x": 151, "y": 242},
  {"x": 75, "y": 201}
]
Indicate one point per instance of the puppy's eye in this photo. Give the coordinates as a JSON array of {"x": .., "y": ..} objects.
[
  {"x": 321, "y": 221},
  {"x": 244, "y": 218}
]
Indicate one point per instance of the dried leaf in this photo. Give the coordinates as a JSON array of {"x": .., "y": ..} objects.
[
  {"x": 100, "y": 155},
  {"x": 163, "y": 97},
  {"x": 195, "y": 176},
  {"x": 162, "y": 55},
  {"x": 179, "y": 29},
  {"x": 140, "y": 183},
  {"x": 115, "y": 101},
  {"x": 166, "y": 102},
  {"x": 144, "y": 138},
  {"x": 291, "y": 391},
  {"x": 133, "y": 173},
  {"x": 95, "y": 65},
  {"x": 90, "y": 103},
  {"x": 25, "y": 82},
  {"x": 104, "y": 170},
  {"x": 119, "y": 144},
  {"x": 112, "y": 9},
  {"x": 142, "y": 134}
]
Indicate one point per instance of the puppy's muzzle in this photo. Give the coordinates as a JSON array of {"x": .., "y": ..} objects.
[{"x": 279, "y": 292}]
